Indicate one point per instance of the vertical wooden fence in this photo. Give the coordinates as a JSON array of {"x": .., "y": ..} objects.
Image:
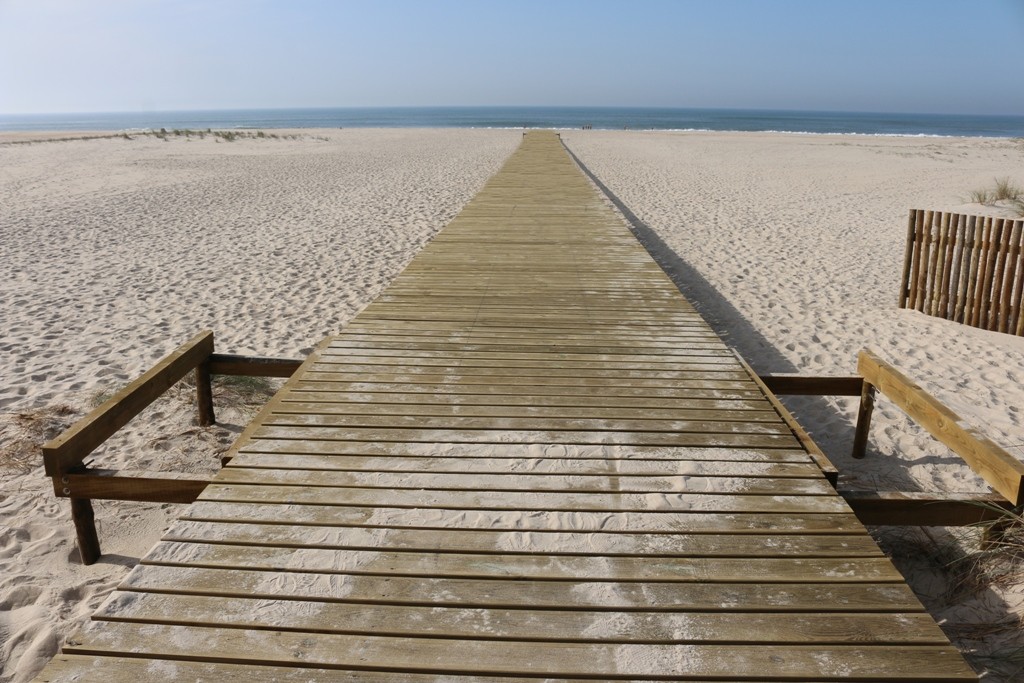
[{"x": 965, "y": 268}]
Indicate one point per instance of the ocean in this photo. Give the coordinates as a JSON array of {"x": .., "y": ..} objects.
[{"x": 612, "y": 118}]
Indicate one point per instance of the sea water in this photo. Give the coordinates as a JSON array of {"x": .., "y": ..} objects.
[{"x": 612, "y": 118}]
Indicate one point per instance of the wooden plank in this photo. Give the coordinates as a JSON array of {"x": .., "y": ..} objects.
[
  {"x": 527, "y": 465},
  {"x": 73, "y": 445},
  {"x": 679, "y": 390},
  {"x": 748, "y": 411},
  {"x": 1003, "y": 472},
  {"x": 925, "y": 509},
  {"x": 696, "y": 438},
  {"x": 111, "y": 669},
  {"x": 575, "y": 626},
  {"x": 506, "y": 543},
  {"x": 578, "y": 482},
  {"x": 250, "y": 366},
  {"x": 435, "y": 655},
  {"x": 525, "y": 501},
  {"x": 550, "y": 567},
  {"x": 608, "y": 522},
  {"x": 812, "y": 386},
  {"x": 500, "y": 451},
  {"x": 659, "y": 585},
  {"x": 614, "y": 595},
  {"x": 533, "y": 423},
  {"x": 108, "y": 485}
]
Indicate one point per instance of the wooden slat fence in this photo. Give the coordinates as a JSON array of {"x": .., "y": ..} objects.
[{"x": 969, "y": 269}]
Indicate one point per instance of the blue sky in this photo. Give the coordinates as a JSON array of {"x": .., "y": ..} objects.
[{"x": 942, "y": 56}]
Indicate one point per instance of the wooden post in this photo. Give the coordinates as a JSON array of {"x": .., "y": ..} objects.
[
  {"x": 1018, "y": 305},
  {"x": 204, "y": 395},
  {"x": 938, "y": 262},
  {"x": 922, "y": 261},
  {"x": 947, "y": 265},
  {"x": 1011, "y": 239},
  {"x": 908, "y": 258},
  {"x": 940, "y": 221},
  {"x": 979, "y": 284},
  {"x": 977, "y": 235},
  {"x": 867, "y": 406},
  {"x": 1002, "y": 247},
  {"x": 85, "y": 529},
  {"x": 956, "y": 275}
]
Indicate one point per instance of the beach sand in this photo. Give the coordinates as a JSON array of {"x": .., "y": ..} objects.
[{"x": 115, "y": 251}]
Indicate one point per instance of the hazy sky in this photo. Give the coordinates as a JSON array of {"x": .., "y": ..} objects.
[{"x": 958, "y": 56}]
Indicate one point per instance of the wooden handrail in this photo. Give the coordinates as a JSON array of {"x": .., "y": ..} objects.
[
  {"x": 1003, "y": 472},
  {"x": 64, "y": 455},
  {"x": 67, "y": 451}
]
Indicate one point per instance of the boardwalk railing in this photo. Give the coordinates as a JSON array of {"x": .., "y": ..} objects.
[
  {"x": 998, "y": 467},
  {"x": 64, "y": 456},
  {"x": 1001, "y": 470},
  {"x": 969, "y": 269}
]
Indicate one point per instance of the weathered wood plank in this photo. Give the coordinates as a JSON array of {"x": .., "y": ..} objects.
[
  {"x": 576, "y": 626},
  {"x": 527, "y": 465},
  {"x": 430, "y": 655},
  {"x": 571, "y": 451},
  {"x": 608, "y": 522},
  {"x": 528, "y": 481},
  {"x": 525, "y": 500}
]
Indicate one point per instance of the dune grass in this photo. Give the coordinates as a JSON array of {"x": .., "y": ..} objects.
[
  {"x": 1002, "y": 190},
  {"x": 22, "y": 434}
]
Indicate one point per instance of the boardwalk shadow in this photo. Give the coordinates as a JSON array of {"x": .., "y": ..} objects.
[{"x": 831, "y": 429}]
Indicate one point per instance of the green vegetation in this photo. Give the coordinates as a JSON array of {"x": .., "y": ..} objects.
[
  {"x": 23, "y": 433},
  {"x": 186, "y": 133},
  {"x": 1002, "y": 190}
]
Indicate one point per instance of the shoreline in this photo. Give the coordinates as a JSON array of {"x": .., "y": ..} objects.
[
  {"x": 789, "y": 244},
  {"x": 8, "y": 137}
]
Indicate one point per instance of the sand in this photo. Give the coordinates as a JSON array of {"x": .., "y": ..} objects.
[{"x": 114, "y": 251}]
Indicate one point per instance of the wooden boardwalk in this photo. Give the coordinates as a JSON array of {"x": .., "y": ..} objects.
[{"x": 529, "y": 458}]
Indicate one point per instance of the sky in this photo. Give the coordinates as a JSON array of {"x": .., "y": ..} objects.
[{"x": 917, "y": 56}]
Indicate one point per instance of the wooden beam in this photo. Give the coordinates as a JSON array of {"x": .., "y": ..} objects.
[
  {"x": 925, "y": 509},
  {"x": 804, "y": 385},
  {"x": 227, "y": 364},
  {"x": 69, "y": 449},
  {"x": 830, "y": 471},
  {"x": 112, "y": 485},
  {"x": 1003, "y": 472}
]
